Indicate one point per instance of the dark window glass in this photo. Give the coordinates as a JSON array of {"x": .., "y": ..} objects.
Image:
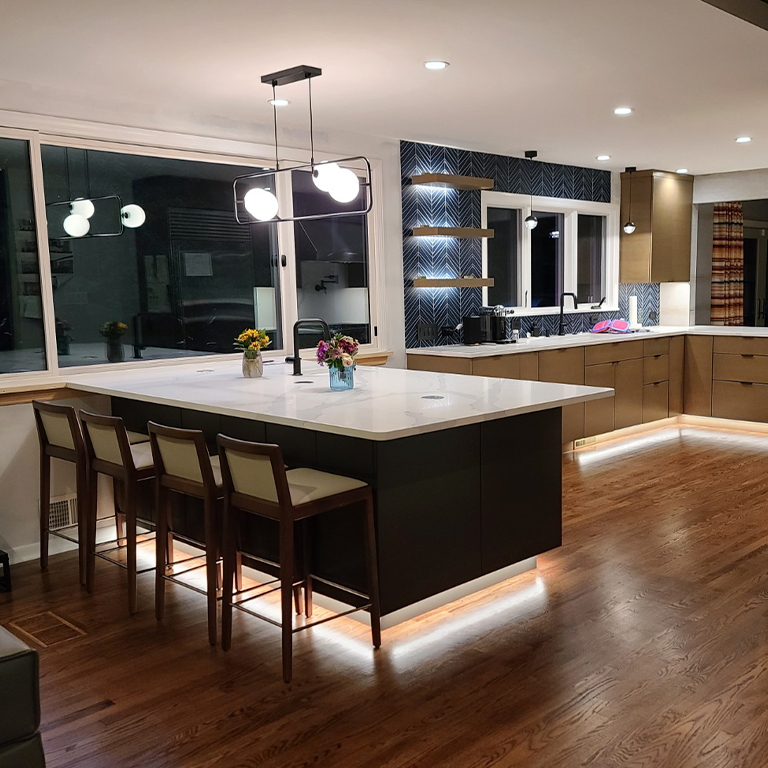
[
  {"x": 184, "y": 282},
  {"x": 331, "y": 264},
  {"x": 547, "y": 259},
  {"x": 22, "y": 338},
  {"x": 590, "y": 259},
  {"x": 503, "y": 256}
]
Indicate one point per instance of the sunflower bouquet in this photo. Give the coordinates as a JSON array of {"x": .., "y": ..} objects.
[
  {"x": 113, "y": 329},
  {"x": 252, "y": 341}
]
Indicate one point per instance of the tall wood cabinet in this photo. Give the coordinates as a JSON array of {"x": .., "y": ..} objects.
[{"x": 659, "y": 250}]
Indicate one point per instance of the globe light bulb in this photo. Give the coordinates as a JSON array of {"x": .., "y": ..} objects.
[
  {"x": 531, "y": 222},
  {"x": 629, "y": 227},
  {"x": 345, "y": 186},
  {"x": 82, "y": 206},
  {"x": 76, "y": 225},
  {"x": 261, "y": 204},
  {"x": 323, "y": 174},
  {"x": 132, "y": 215}
]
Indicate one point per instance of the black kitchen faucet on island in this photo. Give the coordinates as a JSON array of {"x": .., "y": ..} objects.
[
  {"x": 561, "y": 327},
  {"x": 311, "y": 321}
]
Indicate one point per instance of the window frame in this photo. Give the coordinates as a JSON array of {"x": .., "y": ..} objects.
[
  {"x": 149, "y": 143},
  {"x": 571, "y": 209}
]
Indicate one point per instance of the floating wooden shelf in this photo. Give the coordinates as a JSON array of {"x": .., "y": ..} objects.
[
  {"x": 453, "y": 282},
  {"x": 464, "y": 232},
  {"x": 451, "y": 181}
]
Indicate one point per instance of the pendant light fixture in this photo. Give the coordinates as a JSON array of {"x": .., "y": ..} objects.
[
  {"x": 79, "y": 211},
  {"x": 531, "y": 222},
  {"x": 335, "y": 177},
  {"x": 629, "y": 226}
]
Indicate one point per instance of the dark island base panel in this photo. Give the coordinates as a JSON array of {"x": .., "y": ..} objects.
[{"x": 451, "y": 506}]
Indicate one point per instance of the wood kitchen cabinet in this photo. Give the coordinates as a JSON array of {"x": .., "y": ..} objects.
[
  {"x": 440, "y": 364},
  {"x": 519, "y": 366},
  {"x": 659, "y": 250},
  {"x": 697, "y": 399},
  {"x": 599, "y": 414},
  {"x": 566, "y": 366}
]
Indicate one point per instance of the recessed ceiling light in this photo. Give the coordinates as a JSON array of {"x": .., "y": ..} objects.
[
  {"x": 279, "y": 102},
  {"x": 743, "y": 139},
  {"x": 623, "y": 111},
  {"x": 603, "y": 158},
  {"x": 435, "y": 65},
  {"x": 681, "y": 170}
]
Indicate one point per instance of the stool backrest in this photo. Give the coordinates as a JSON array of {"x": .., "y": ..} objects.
[
  {"x": 255, "y": 470},
  {"x": 106, "y": 440},
  {"x": 57, "y": 426},
  {"x": 180, "y": 455}
]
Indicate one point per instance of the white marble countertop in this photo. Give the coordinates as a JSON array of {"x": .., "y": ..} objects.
[
  {"x": 386, "y": 403},
  {"x": 543, "y": 343}
]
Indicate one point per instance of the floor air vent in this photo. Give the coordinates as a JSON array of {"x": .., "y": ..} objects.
[{"x": 63, "y": 512}]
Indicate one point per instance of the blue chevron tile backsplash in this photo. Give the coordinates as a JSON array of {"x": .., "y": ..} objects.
[{"x": 452, "y": 257}]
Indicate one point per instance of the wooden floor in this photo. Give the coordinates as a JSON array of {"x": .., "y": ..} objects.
[{"x": 643, "y": 641}]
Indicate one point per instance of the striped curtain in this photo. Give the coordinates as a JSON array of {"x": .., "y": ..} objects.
[{"x": 728, "y": 265}]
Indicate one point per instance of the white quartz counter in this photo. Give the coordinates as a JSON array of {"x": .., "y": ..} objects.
[
  {"x": 543, "y": 343},
  {"x": 386, "y": 403}
]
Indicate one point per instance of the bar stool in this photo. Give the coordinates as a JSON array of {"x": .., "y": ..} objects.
[
  {"x": 60, "y": 436},
  {"x": 256, "y": 482},
  {"x": 58, "y": 432},
  {"x": 110, "y": 452},
  {"x": 183, "y": 465}
]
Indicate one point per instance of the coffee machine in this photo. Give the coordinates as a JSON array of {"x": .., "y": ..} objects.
[{"x": 489, "y": 327}]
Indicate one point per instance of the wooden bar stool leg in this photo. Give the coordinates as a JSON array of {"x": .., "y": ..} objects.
[
  {"x": 239, "y": 572},
  {"x": 162, "y": 537},
  {"x": 130, "y": 526},
  {"x": 307, "y": 546},
  {"x": 90, "y": 544},
  {"x": 231, "y": 568},
  {"x": 286, "y": 588},
  {"x": 297, "y": 599},
  {"x": 118, "y": 495},
  {"x": 82, "y": 518},
  {"x": 45, "y": 507},
  {"x": 373, "y": 572},
  {"x": 211, "y": 565}
]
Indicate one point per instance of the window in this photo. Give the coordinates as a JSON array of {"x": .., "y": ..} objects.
[
  {"x": 547, "y": 259},
  {"x": 331, "y": 264},
  {"x": 22, "y": 337},
  {"x": 503, "y": 256},
  {"x": 573, "y": 248},
  {"x": 590, "y": 255},
  {"x": 184, "y": 283}
]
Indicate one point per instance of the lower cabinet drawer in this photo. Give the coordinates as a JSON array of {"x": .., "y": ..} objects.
[
  {"x": 573, "y": 422},
  {"x": 498, "y": 366},
  {"x": 751, "y": 368},
  {"x": 741, "y": 345},
  {"x": 655, "y": 369},
  {"x": 740, "y": 400},
  {"x": 655, "y": 401},
  {"x": 438, "y": 364}
]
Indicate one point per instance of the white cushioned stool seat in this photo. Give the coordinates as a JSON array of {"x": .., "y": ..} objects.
[
  {"x": 137, "y": 437},
  {"x": 216, "y": 467},
  {"x": 308, "y": 485},
  {"x": 142, "y": 455}
]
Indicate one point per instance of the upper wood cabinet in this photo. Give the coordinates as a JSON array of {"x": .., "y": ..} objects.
[{"x": 659, "y": 250}]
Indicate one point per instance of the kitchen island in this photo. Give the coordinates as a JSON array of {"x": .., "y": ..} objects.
[{"x": 466, "y": 471}]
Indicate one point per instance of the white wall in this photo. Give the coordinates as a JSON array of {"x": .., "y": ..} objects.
[{"x": 20, "y": 478}]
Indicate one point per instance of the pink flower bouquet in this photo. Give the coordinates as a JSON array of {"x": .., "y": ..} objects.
[{"x": 338, "y": 353}]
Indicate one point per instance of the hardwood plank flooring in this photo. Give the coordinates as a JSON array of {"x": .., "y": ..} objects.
[{"x": 642, "y": 642}]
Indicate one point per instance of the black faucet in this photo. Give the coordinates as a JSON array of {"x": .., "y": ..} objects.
[
  {"x": 296, "y": 352},
  {"x": 561, "y": 327}
]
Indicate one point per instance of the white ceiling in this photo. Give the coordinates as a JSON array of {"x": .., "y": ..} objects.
[{"x": 543, "y": 74}]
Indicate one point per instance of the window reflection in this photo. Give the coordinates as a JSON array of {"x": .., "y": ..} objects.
[
  {"x": 184, "y": 282},
  {"x": 22, "y": 338},
  {"x": 590, "y": 259},
  {"x": 331, "y": 264},
  {"x": 547, "y": 259}
]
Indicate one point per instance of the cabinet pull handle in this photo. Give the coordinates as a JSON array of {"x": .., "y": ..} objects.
[
  {"x": 747, "y": 355},
  {"x": 748, "y": 383}
]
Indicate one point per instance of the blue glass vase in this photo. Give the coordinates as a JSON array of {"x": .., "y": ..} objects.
[{"x": 342, "y": 378}]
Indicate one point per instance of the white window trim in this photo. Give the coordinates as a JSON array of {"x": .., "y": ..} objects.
[
  {"x": 571, "y": 209},
  {"x": 40, "y": 129}
]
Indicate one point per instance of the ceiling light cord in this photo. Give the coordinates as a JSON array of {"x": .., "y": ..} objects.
[
  {"x": 274, "y": 119},
  {"x": 311, "y": 128}
]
